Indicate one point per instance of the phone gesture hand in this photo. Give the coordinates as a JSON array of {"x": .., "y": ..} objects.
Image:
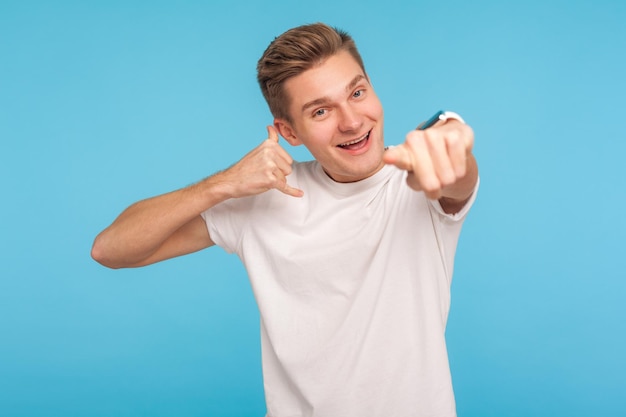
[{"x": 264, "y": 168}]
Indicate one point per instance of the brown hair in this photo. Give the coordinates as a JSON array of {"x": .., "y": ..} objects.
[{"x": 294, "y": 52}]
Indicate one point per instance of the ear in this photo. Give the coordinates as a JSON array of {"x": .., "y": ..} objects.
[{"x": 287, "y": 132}]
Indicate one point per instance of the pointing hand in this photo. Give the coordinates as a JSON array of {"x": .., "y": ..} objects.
[{"x": 435, "y": 158}]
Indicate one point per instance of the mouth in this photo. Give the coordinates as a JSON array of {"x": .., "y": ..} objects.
[{"x": 355, "y": 144}]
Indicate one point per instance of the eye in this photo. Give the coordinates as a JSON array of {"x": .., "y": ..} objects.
[
  {"x": 319, "y": 113},
  {"x": 358, "y": 93}
]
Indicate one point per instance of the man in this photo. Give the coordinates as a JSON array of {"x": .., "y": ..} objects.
[{"x": 350, "y": 256}]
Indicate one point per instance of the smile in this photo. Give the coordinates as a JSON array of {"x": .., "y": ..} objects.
[{"x": 355, "y": 143}]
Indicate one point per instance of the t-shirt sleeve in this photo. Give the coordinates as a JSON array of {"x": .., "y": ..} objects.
[
  {"x": 448, "y": 228},
  {"x": 461, "y": 214},
  {"x": 226, "y": 223}
]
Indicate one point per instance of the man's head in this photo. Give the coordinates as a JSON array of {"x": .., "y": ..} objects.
[
  {"x": 294, "y": 52},
  {"x": 320, "y": 96}
]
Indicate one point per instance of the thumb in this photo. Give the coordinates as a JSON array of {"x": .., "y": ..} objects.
[
  {"x": 272, "y": 134},
  {"x": 399, "y": 156}
]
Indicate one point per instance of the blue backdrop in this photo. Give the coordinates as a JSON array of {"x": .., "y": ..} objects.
[{"x": 106, "y": 103}]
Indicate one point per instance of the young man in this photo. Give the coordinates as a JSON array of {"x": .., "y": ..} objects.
[{"x": 350, "y": 256}]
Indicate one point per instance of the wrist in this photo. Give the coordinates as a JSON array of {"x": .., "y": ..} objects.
[
  {"x": 216, "y": 188},
  {"x": 450, "y": 115}
]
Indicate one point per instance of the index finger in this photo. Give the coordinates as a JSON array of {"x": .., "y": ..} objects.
[{"x": 399, "y": 156}]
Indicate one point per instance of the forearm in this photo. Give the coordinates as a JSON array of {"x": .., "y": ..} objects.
[
  {"x": 142, "y": 228},
  {"x": 169, "y": 225}
]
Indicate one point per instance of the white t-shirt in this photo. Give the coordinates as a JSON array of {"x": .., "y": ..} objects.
[{"x": 352, "y": 282}]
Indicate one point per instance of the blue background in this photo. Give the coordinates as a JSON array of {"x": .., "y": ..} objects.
[{"x": 106, "y": 103}]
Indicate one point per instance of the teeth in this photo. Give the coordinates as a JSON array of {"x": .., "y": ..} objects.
[{"x": 355, "y": 141}]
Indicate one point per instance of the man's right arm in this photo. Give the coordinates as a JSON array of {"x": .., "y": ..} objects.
[
  {"x": 170, "y": 225},
  {"x": 159, "y": 228}
]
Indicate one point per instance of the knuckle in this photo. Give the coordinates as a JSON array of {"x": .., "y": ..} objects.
[
  {"x": 454, "y": 138},
  {"x": 429, "y": 135},
  {"x": 447, "y": 178},
  {"x": 413, "y": 134},
  {"x": 464, "y": 135},
  {"x": 269, "y": 166},
  {"x": 434, "y": 139},
  {"x": 281, "y": 184},
  {"x": 431, "y": 185},
  {"x": 413, "y": 137},
  {"x": 263, "y": 154}
]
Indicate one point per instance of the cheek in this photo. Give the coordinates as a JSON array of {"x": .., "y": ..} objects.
[
  {"x": 372, "y": 108},
  {"x": 320, "y": 134},
  {"x": 378, "y": 109}
]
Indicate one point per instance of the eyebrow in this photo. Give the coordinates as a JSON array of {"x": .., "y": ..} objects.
[{"x": 323, "y": 100}]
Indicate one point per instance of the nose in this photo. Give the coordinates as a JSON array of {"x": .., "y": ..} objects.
[{"x": 350, "y": 120}]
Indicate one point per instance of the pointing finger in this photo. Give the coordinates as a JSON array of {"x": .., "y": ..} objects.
[{"x": 399, "y": 156}]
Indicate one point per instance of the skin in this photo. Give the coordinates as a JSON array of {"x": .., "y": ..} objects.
[
  {"x": 334, "y": 104},
  {"x": 331, "y": 104}
]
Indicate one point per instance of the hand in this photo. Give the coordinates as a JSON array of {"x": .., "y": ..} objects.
[
  {"x": 264, "y": 168},
  {"x": 435, "y": 158}
]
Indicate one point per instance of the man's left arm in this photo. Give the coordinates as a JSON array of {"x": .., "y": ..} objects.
[{"x": 439, "y": 162}]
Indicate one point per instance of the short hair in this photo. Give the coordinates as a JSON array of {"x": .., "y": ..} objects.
[{"x": 294, "y": 52}]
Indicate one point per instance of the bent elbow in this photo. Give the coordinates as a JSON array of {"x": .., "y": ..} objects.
[{"x": 99, "y": 254}]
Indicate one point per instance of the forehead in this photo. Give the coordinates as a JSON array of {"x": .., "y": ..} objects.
[{"x": 324, "y": 82}]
